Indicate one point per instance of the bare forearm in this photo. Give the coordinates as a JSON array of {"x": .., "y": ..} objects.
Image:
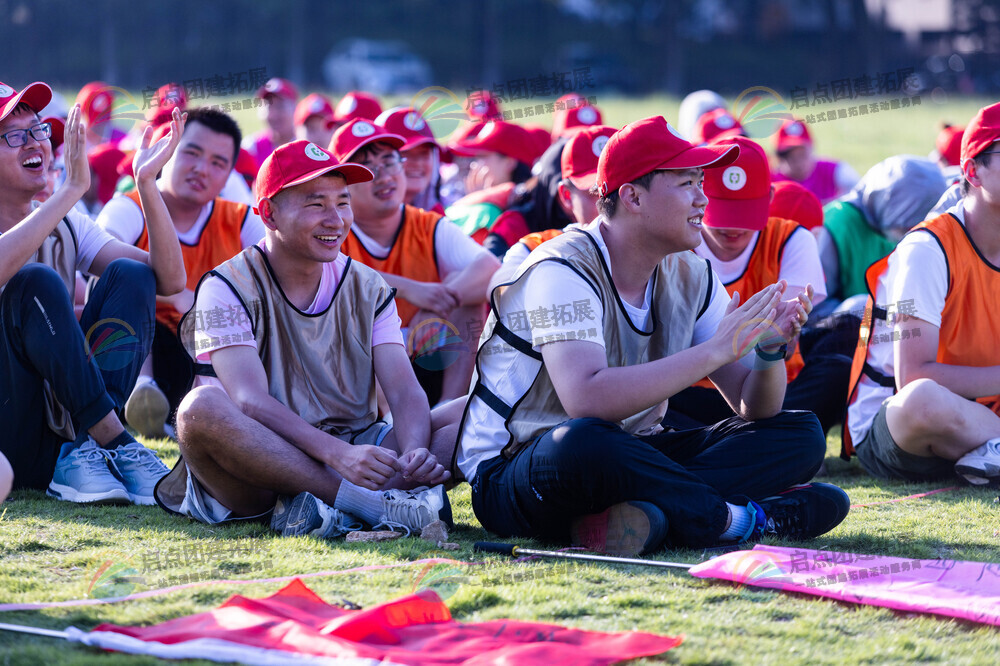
[
  {"x": 470, "y": 283},
  {"x": 19, "y": 244},
  {"x": 966, "y": 381},
  {"x": 411, "y": 419},
  {"x": 290, "y": 426},
  {"x": 763, "y": 391},
  {"x": 165, "y": 256}
]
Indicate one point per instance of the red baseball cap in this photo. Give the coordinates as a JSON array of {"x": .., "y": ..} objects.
[
  {"x": 464, "y": 132},
  {"x": 739, "y": 195},
  {"x": 104, "y": 160},
  {"x": 125, "y": 166},
  {"x": 581, "y": 154},
  {"x": 246, "y": 165},
  {"x": 652, "y": 144},
  {"x": 58, "y": 131},
  {"x": 714, "y": 124},
  {"x": 358, "y": 133},
  {"x": 313, "y": 104},
  {"x": 96, "y": 100},
  {"x": 793, "y": 133},
  {"x": 299, "y": 162},
  {"x": 36, "y": 95},
  {"x": 167, "y": 97},
  {"x": 981, "y": 132},
  {"x": 280, "y": 88},
  {"x": 581, "y": 114},
  {"x": 541, "y": 137},
  {"x": 792, "y": 201},
  {"x": 357, "y": 104},
  {"x": 481, "y": 105},
  {"x": 409, "y": 124},
  {"x": 949, "y": 144},
  {"x": 505, "y": 138}
]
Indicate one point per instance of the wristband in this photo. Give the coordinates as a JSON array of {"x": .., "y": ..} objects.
[{"x": 777, "y": 355}]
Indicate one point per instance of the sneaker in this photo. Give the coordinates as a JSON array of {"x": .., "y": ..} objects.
[
  {"x": 147, "y": 409},
  {"x": 412, "y": 510},
  {"x": 801, "y": 512},
  {"x": 84, "y": 475},
  {"x": 307, "y": 514},
  {"x": 981, "y": 465},
  {"x": 626, "y": 529},
  {"x": 139, "y": 469}
]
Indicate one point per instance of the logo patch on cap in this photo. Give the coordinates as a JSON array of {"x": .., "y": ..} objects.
[
  {"x": 362, "y": 129},
  {"x": 587, "y": 115},
  {"x": 317, "y": 106},
  {"x": 674, "y": 131},
  {"x": 314, "y": 152},
  {"x": 724, "y": 121},
  {"x": 347, "y": 105},
  {"x": 272, "y": 86},
  {"x": 598, "y": 145},
  {"x": 487, "y": 130},
  {"x": 413, "y": 121},
  {"x": 100, "y": 102},
  {"x": 734, "y": 178},
  {"x": 5, "y": 90},
  {"x": 794, "y": 129}
]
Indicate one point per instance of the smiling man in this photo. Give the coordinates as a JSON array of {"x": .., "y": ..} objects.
[
  {"x": 62, "y": 381},
  {"x": 210, "y": 229},
  {"x": 561, "y": 438},
  {"x": 285, "y": 420}
]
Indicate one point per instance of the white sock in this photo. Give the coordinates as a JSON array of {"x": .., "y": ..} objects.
[
  {"x": 360, "y": 502},
  {"x": 738, "y": 524}
]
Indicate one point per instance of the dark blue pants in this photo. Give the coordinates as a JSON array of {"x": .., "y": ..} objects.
[
  {"x": 91, "y": 365},
  {"x": 584, "y": 466}
]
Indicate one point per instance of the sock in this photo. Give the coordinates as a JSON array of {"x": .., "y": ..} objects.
[
  {"x": 739, "y": 524},
  {"x": 360, "y": 502},
  {"x": 122, "y": 439}
]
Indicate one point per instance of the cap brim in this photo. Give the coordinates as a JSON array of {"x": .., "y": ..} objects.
[
  {"x": 418, "y": 141},
  {"x": 37, "y": 95},
  {"x": 58, "y": 130},
  {"x": 352, "y": 173},
  {"x": 790, "y": 142},
  {"x": 584, "y": 181},
  {"x": 750, "y": 214},
  {"x": 702, "y": 157},
  {"x": 393, "y": 140}
]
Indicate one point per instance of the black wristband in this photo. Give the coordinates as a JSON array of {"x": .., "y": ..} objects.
[{"x": 778, "y": 355}]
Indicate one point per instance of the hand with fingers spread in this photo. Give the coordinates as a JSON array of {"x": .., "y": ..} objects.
[
  {"x": 790, "y": 317},
  {"x": 743, "y": 326},
  {"x": 421, "y": 466},
  {"x": 366, "y": 466},
  {"x": 149, "y": 160},
  {"x": 75, "y": 152}
]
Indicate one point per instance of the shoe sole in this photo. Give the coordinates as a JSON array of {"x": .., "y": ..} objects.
[
  {"x": 978, "y": 476},
  {"x": 622, "y": 530},
  {"x": 302, "y": 517},
  {"x": 147, "y": 410},
  {"x": 118, "y": 496}
]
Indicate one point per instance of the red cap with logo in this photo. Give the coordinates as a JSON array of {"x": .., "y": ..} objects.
[
  {"x": 104, "y": 161},
  {"x": 581, "y": 154},
  {"x": 792, "y": 201},
  {"x": 949, "y": 144},
  {"x": 299, "y": 162},
  {"x": 96, "y": 100},
  {"x": 652, "y": 144},
  {"x": 981, "y": 132},
  {"x": 715, "y": 124},
  {"x": 36, "y": 95},
  {"x": 357, "y": 134},
  {"x": 357, "y": 104},
  {"x": 580, "y": 114},
  {"x": 740, "y": 194},
  {"x": 505, "y": 138},
  {"x": 409, "y": 124},
  {"x": 58, "y": 131},
  {"x": 481, "y": 105},
  {"x": 280, "y": 88},
  {"x": 793, "y": 133},
  {"x": 313, "y": 104}
]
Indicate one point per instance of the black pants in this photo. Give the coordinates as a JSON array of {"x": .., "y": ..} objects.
[
  {"x": 91, "y": 365},
  {"x": 584, "y": 466},
  {"x": 173, "y": 368}
]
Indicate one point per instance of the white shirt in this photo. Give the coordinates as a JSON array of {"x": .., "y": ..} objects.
[
  {"x": 122, "y": 217},
  {"x": 554, "y": 300},
  {"x": 90, "y": 238}
]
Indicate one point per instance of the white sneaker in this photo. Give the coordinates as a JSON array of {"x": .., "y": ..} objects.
[
  {"x": 981, "y": 465},
  {"x": 307, "y": 514},
  {"x": 139, "y": 470},
  {"x": 84, "y": 475},
  {"x": 147, "y": 409},
  {"x": 412, "y": 510}
]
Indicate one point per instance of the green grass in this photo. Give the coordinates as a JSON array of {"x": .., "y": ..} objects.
[{"x": 51, "y": 551}]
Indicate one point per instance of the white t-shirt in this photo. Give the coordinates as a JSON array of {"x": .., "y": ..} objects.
[
  {"x": 555, "y": 302},
  {"x": 800, "y": 264},
  {"x": 90, "y": 238},
  {"x": 236, "y": 189},
  {"x": 122, "y": 217},
  {"x": 915, "y": 283},
  {"x": 220, "y": 320}
]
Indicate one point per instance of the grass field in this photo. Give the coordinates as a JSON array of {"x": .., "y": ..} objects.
[{"x": 53, "y": 551}]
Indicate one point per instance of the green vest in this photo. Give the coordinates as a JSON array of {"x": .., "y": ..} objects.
[{"x": 858, "y": 245}]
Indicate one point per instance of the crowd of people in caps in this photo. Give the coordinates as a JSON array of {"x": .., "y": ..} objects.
[{"x": 622, "y": 338}]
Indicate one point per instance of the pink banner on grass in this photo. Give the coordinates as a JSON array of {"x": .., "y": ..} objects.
[{"x": 966, "y": 590}]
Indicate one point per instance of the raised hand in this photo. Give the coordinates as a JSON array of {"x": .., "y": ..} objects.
[
  {"x": 150, "y": 160},
  {"x": 743, "y": 326},
  {"x": 791, "y": 315},
  {"x": 75, "y": 152}
]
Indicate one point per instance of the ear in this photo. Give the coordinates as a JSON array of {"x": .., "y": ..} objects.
[
  {"x": 629, "y": 196},
  {"x": 564, "y": 197},
  {"x": 265, "y": 208},
  {"x": 969, "y": 171}
]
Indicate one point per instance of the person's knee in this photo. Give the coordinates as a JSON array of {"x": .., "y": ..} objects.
[
  {"x": 804, "y": 431},
  {"x": 578, "y": 440},
  {"x": 198, "y": 411},
  {"x": 924, "y": 407},
  {"x": 38, "y": 281},
  {"x": 138, "y": 276}
]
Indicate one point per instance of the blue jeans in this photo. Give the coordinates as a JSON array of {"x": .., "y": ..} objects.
[
  {"x": 90, "y": 365},
  {"x": 584, "y": 466}
]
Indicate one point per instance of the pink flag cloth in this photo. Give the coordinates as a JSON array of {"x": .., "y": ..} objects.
[
  {"x": 294, "y": 624},
  {"x": 966, "y": 590}
]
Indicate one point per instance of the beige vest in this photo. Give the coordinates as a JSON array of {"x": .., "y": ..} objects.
[
  {"x": 320, "y": 366},
  {"x": 681, "y": 293}
]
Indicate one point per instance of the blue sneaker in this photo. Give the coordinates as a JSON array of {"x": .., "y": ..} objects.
[
  {"x": 801, "y": 512},
  {"x": 307, "y": 514},
  {"x": 139, "y": 470},
  {"x": 626, "y": 529},
  {"x": 84, "y": 475}
]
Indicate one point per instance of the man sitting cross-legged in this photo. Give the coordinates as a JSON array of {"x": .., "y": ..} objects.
[{"x": 292, "y": 409}]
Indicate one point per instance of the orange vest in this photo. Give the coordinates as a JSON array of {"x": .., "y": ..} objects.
[
  {"x": 219, "y": 241},
  {"x": 970, "y": 321},
  {"x": 412, "y": 254},
  {"x": 762, "y": 270},
  {"x": 533, "y": 240}
]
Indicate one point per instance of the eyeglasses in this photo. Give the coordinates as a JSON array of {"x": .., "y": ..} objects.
[
  {"x": 389, "y": 167},
  {"x": 19, "y": 137}
]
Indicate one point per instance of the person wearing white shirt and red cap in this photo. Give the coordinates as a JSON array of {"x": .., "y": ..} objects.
[{"x": 278, "y": 112}]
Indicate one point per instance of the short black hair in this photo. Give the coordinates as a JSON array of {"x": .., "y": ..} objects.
[
  {"x": 366, "y": 151},
  {"x": 980, "y": 160},
  {"x": 608, "y": 204},
  {"x": 219, "y": 122}
]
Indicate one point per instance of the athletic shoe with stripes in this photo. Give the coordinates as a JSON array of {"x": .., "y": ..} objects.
[
  {"x": 84, "y": 475},
  {"x": 307, "y": 514}
]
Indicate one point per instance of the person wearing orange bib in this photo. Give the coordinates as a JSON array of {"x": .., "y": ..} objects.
[{"x": 925, "y": 384}]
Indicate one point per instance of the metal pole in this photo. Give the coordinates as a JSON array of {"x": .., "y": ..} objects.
[{"x": 517, "y": 551}]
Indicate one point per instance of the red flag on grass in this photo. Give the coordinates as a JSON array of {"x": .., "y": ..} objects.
[{"x": 295, "y": 624}]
